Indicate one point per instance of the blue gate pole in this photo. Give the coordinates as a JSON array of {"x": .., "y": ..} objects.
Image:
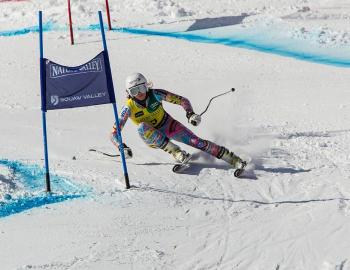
[
  {"x": 43, "y": 109},
  {"x": 121, "y": 147}
]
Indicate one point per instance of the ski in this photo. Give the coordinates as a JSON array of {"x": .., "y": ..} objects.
[
  {"x": 127, "y": 151},
  {"x": 104, "y": 153}
]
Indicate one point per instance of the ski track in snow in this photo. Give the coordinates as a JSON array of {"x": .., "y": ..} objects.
[
  {"x": 212, "y": 191},
  {"x": 211, "y": 239}
]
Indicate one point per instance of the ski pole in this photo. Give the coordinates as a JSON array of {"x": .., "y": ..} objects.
[{"x": 232, "y": 90}]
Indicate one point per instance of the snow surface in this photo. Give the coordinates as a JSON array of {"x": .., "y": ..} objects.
[{"x": 289, "y": 117}]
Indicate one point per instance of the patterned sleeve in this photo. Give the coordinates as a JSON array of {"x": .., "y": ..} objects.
[
  {"x": 124, "y": 115},
  {"x": 162, "y": 94}
]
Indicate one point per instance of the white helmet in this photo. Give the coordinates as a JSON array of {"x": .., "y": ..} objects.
[{"x": 136, "y": 83}]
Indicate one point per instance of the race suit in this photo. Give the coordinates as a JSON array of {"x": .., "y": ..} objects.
[{"x": 156, "y": 126}]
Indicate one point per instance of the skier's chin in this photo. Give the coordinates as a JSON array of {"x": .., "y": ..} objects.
[{"x": 140, "y": 96}]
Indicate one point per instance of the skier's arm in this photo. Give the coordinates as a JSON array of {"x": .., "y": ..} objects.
[
  {"x": 193, "y": 118},
  {"x": 175, "y": 99},
  {"x": 124, "y": 115}
]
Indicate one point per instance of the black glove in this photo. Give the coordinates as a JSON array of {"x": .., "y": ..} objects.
[{"x": 127, "y": 151}]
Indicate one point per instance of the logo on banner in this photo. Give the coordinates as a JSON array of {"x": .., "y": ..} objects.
[
  {"x": 57, "y": 71},
  {"x": 54, "y": 100}
]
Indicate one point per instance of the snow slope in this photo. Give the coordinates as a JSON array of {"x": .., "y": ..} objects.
[{"x": 289, "y": 117}]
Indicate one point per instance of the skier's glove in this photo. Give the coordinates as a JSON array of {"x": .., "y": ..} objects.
[
  {"x": 127, "y": 151},
  {"x": 194, "y": 119}
]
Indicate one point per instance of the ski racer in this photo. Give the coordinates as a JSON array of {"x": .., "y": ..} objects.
[{"x": 158, "y": 129}]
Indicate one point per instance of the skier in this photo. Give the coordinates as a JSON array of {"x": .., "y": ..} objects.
[{"x": 157, "y": 128}]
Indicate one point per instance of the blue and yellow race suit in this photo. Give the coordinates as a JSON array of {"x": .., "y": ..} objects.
[{"x": 156, "y": 126}]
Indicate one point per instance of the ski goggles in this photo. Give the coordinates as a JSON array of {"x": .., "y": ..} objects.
[{"x": 137, "y": 89}]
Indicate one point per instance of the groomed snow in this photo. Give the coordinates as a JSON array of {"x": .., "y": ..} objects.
[{"x": 289, "y": 117}]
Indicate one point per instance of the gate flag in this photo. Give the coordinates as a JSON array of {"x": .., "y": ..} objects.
[
  {"x": 85, "y": 85},
  {"x": 64, "y": 87}
]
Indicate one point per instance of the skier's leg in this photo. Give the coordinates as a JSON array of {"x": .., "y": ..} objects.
[
  {"x": 157, "y": 139},
  {"x": 151, "y": 136},
  {"x": 177, "y": 131}
]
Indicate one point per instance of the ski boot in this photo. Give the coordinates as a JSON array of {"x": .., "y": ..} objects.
[
  {"x": 179, "y": 155},
  {"x": 237, "y": 163}
]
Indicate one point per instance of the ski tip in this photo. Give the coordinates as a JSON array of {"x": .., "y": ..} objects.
[
  {"x": 238, "y": 172},
  {"x": 176, "y": 168},
  {"x": 179, "y": 168}
]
